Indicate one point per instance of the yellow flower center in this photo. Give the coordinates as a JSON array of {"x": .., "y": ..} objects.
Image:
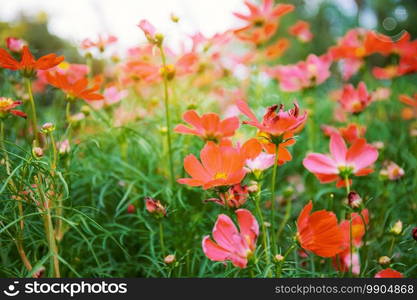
[
  {"x": 5, "y": 102},
  {"x": 360, "y": 52},
  {"x": 220, "y": 175}
]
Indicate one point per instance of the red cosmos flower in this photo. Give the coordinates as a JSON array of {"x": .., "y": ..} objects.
[
  {"x": 7, "y": 106},
  {"x": 229, "y": 243},
  {"x": 355, "y": 101},
  {"x": 234, "y": 197},
  {"x": 209, "y": 126},
  {"x": 350, "y": 133},
  {"x": 388, "y": 273},
  {"x": 343, "y": 162},
  {"x": 358, "y": 231},
  {"x": 318, "y": 232},
  {"x": 74, "y": 90},
  {"x": 301, "y": 30},
  {"x": 410, "y": 111},
  {"x": 277, "y": 128},
  {"x": 222, "y": 165},
  {"x": 262, "y": 21},
  {"x": 28, "y": 65}
]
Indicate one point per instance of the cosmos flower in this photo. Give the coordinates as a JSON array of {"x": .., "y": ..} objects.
[
  {"x": 301, "y": 30},
  {"x": 343, "y": 162},
  {"x": 234, "y": 197},
  {"x": 28, "y": 65},
  {"x": 209, "y": 127},
  {"x": 350, "y": 133},
  {"x": 7, "y": 106},
  {"x": 319, "y": 232},
  {"x": 15, "y": 44},
  {"x": 155, "y": 207},
  {"x": 388, "y": 273},
  {"x": 392, "y": 171},
  {"x": 101, "y": 43},
  {"x": 262, "y": 21},
  {"x": 355, "y": 100},
  {"x": 410, "y": 111},
  {"x": 231, "y": 244}
]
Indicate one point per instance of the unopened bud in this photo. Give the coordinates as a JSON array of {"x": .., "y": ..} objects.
[
  {"x": 384, "y": 260},
  {"x": 37, "y": 152},
  {"x": 174, "y": 18},
  {"x": 131, "y": 208},
  {"x": 397, "y": 228},
  {"x": 279, "y": 257},
  {"x": 354, "y": 200},
  {"x": 47, "y": 128},
  {"x": 414, "y": 233},
  {"x": 169, "y": 259}
]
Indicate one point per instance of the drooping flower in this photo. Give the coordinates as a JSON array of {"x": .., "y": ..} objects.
[
  {"x": 15, "y": 44},
  {"x": 262, "y": 21},
  {"x": 388, "y": 273},
  {"x": 209, "y": 127},
  {"x": 74, "y": 90},
  {"x": 344, "y": 262},
  {"x": 305, "y": 74},
  {"x": 150, "y": 33},
  {"x": 319, "y": 232},
  {"x": 277, "y": 128},
  {"x": 355, "y": 100},
  {"x": 28, "y": 65},
  {"x": 234, "y": 197},
  {"x": 301, "y": 30},
  {"x": 231, "y": 244},
  {"x": 221, "y": 165},
  {"x": 7, "y": 106},
  {"x": 343, "y": 162}
]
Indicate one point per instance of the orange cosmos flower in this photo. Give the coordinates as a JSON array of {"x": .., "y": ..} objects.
[
  {"x": 262, "y": 21},
  {"x": 209, "y": 126},
  {"x": 388, "y": 273},
  {"x": 319, "y": 232},
  {"x": 301, "y": 30},
  {"x": 221, "y": 165},
  {"x": 76, "y": 89},
  {"x": 7, "y": 106},
  {"x": 410, "y": 111},
  {"x": 28, "y": 65}
]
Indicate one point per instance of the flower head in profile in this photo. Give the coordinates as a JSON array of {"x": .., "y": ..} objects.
[
  {"x": 301, "y": 30},
  {"x": 392, "y": 171},
  {"x": 343, "y": 162},
  {"x": 230, "y": 243},
  {"x": 388, "y": 273},
  {"x": 150, "y": 33},
  {"x": 260, "y": 163},
  {"x": 74, "y": 90},
  {"x": 101, "y": 43},
  {"x": 221, "y": 165},
  {"x": 7, "y": 106},
  {"x": 262, "y": 21},
  {"x": 209, "y": 127},
  {"x": 15, "y": 44},
  {"x": 28, "y": 65},
  {"x": 155, "y": 207},
  {"x": 355, "y": 100},
  {"x": 319, "y": 232}
]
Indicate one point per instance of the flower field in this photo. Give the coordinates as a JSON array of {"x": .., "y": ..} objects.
[{"x": 231, "y": 155}]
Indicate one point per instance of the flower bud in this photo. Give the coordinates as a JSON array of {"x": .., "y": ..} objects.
[
  {"x": 37, "y": 152},
  {"x": 47, "y": 128},
  {"x": 168, "y": 71},
  {"x": 397, "y": 228},
  {"x": 253, "y": 187},
  {"x": 414, "y": 233},
  {"x": 174, "y": 18},
  {"x": 155, "y": 207},
  {"x": 384, "y": 260},
  {"x": 354, "y": 200},
  {"x": 279, "y": 257},
  {"x": 169, "y": 259},
  {"x": 131, "y": 209}
]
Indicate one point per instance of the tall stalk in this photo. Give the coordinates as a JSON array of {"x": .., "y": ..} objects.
[
  {"x": 347, "y": 183},
  {"x": 33, "y": 117},
  {"x": 274, "y": 177},
  {"x": 263, "y": 227},
  {"x": 167, "y": 115}
]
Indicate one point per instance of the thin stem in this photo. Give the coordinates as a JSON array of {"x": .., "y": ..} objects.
[
  {"x": 274, "y": 176},
  {"x": 281, "y": 263},
  {"x": 167, "y": 116},
  {"x": 161, "y": 237},
  {"x": 33, "y": 117},
  {"x": 54, "y": 153},
  {"x": 263, "y": 227},
  {"x": 350, "y": 228}
]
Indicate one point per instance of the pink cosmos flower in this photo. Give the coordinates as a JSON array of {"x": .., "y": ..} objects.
[
  {"x": 101, "y": 43},
  {"x": 111, "y": 95},
  {"x": 260, "y": 163},
  {"x": 312, "y": 72},
  {"x": 15, "y": 44},
  {"x": 229, "y": 243},
  {"x": 342, "y": 162},
  {"x": 350, "y": 66},
  {"x": 392, "y": 171},
  {"x": 355, "y": 100}
]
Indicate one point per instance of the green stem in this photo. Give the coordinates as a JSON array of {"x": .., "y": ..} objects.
[
  {"x": 33, "y": 110},
  {"x": 274, "y": 176},
  {"x": 263, "y": 227},
  {"x": 161, "y": 237},
  {"x": 54, "y": 153},
  {"x": 281, "y": 263},
  {"x": 167, "y": 116},
  {"x": 3, "y": 148},
  {"x": 350, "y": 228}
]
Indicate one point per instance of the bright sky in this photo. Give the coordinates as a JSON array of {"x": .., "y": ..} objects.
[{"x": 79, "y": 19}]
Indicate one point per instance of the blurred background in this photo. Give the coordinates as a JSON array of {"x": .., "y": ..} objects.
[{"x": 60, "y": 26}]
